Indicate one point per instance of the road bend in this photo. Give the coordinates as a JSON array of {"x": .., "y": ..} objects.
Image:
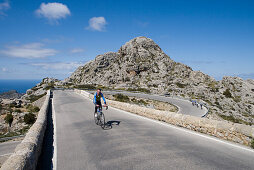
[{"x": 135, "y": 143}]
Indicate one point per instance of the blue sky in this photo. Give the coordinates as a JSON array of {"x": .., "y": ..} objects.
[{"x": 52, "y": 38}]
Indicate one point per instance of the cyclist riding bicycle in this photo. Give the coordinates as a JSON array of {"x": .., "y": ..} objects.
[{"x": 97, "y": 100}]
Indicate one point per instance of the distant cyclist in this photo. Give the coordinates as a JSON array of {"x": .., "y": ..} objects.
[{"x": 97, "y": 100}]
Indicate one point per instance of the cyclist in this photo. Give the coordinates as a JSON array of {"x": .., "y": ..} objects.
[{"x": 97, "y": 100}]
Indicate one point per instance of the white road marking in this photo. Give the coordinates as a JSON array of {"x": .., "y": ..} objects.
[
  {"x": 6, "y": 154},
  {"x": 54, "y": 159},
  {"x": 189, "y": 131}
]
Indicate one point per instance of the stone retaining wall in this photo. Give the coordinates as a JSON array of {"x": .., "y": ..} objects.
[
  {"x": 235, "y": 132},
  {"x": 28, "y": 151}
]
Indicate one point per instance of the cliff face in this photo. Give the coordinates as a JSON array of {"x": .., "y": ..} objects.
[{"x": 141, "y": 63}]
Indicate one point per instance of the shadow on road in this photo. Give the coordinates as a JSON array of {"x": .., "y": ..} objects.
[
  {"x": 114, "y": 122},
  {"x": 45, "y": 159},
  {"x": 111, "y": 123}
]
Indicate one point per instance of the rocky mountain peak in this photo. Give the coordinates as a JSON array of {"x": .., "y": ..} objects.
[
  {"x": 141, "y": 48},
  {"x": 141, "y": 64},
  {"x": 138, "y": 63}
]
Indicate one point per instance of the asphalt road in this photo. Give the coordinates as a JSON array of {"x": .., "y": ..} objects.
[
  {"x": 6, "y": 149},
  {"x": 136, "y": 143},
  {"x": 185, "y": 107}
]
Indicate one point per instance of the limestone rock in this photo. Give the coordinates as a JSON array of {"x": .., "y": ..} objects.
[{"x": 141, "y": 63}]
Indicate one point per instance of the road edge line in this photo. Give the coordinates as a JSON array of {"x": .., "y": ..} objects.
[
  {"x": 189, "y": 131},
  {"x": 54, "y": 159}
]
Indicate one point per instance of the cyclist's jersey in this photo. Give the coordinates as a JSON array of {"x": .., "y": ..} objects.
[{"x": 97, "y": 98}]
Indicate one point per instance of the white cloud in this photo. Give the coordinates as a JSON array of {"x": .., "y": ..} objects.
[
  {"x": 4, "y": 6},
  {"x": 53, "y": 11},
  {"x": 57, "y": 65},
  {"x": 4, "y": 69},
  {"x": 97, "y": 23},
  {"x": 29, "y": 51},
  {"x": 77, "y": 50}
]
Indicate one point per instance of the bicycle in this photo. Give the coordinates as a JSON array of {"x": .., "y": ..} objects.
[{"x": 100, "y": 119}]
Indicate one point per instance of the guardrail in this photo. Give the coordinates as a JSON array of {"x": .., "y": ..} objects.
[
  {"x": 206, "y": 112},
  {"x": 28, "y": 151}
]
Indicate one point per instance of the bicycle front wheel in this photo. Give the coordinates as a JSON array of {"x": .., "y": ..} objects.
[
  {"x": 102, "y": 120},
  {"x": 96, "y": 119}
]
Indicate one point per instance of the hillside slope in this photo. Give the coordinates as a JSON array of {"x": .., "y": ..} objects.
[{"x": 141, "y": 64}]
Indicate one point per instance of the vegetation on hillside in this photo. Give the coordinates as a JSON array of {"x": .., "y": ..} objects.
[
  {"x": 139, "y": 89},
  {"x": 29, "y": 118},
  {"x": 32, "y": 108},
  {"x": 252, "y": 143},
  {"x": 121, "y": 98},
  {"x": 49, "y": 86},
  {"x": 227, "y": 93},
  {"x": 33, "y": 98},
  {"x": 9, "y": 119}
]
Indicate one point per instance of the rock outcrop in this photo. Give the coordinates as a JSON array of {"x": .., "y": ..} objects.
[
  {"x": 10, "y": 95},
  {"x": 141, "y": 63}
]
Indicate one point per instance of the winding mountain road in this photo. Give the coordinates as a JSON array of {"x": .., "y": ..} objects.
[
  {"x": 184, "y": 106},
  {"x": 136, "y": 143}
]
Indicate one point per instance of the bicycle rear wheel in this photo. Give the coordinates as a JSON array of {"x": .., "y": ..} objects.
[
  {"x": 96, "y": 120},
  {"x": 102, "y": 120}
]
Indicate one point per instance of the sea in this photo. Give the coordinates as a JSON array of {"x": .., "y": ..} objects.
[{"x": 20, "y": 86}]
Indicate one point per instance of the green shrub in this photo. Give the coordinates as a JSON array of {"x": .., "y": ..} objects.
[
  {"x": 18, "y": 110},
  {"x": 103, "y": 87},
  {"x": 252, "y": 143},
  {"x": 170, "y": 90},
  {"x": 36, "y": 109},
  {"x": 121, "y": 98},
  {"x": 11, "y": 105},
  {"x": 134, "y": 100},
  {"x": 10, "y": 110},
  {"x": 85, "y": 86},
  {"x": 143, "y": 90},
  {"x": 29, "y": 118},
  {"x": 227, "y": 93},
  {"x": 235, "y": 120},
  {"x": 9, "y": 134},
  {"x": 230, "y": 118},
  {"x": 9, "y": 119},
  {"x": 141, "y": 101},
  {"x": 32, "y": 108},
  {"x": 33, "y": 98},
  {"x": 237, "y": 99},
  {"x": 131, "y": 89},
  {"x": 49, "y": 86},
  {"x": 208, "y": 102},
  {"x": 139, "y": 89},
  {"x": 24, "y": 130},
  {"x": 180, "y": 85}
]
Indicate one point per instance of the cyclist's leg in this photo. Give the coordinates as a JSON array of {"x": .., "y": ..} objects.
[
  {"x": 95, "y": 111},
  {"x": 100, "y": 106},
  {"x": 95, "y": 108}
]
